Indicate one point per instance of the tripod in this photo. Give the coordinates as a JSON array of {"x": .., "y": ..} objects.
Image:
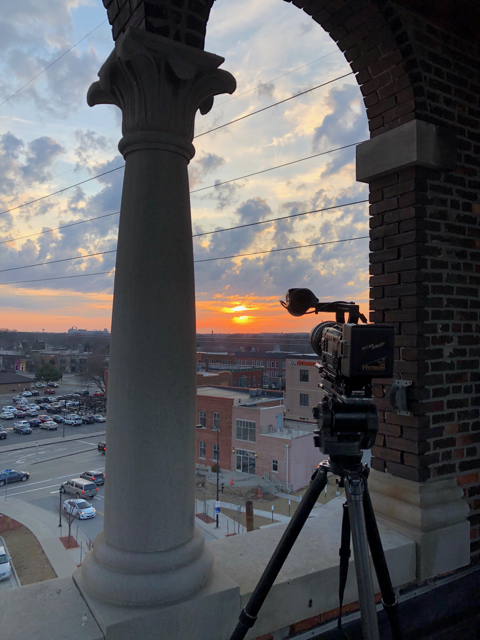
[{"x": 359, "y": 520}]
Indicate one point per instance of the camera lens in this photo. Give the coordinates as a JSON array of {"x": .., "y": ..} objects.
[
  {"x": 299, "y": 301},
  {"x": 316, "y": 335}
]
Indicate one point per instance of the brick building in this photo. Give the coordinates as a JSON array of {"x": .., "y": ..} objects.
[
  {"x": 301, "y": 390},
  {"x": 273, "y": 362}
]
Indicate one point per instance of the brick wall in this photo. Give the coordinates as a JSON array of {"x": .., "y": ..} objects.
[{"x": 223, "y": 406}]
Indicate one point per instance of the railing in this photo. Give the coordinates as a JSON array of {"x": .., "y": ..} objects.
[{"x": 282, "y": 432}]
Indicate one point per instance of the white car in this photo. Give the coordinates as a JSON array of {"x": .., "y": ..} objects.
[
  {"x": 81, "y": 509},
  {"x": 6, "y": 415},
  {"x": 40, "y": 385},
  {"x": 73, "y": 419},
  {"x": 8, "y": 408},
  {"x": 99, "y": 418},
  {"x": 49, "y": 424},
  {"x": 34, "y": 407},
  {"x": 5, "y": 567},
  {"x": 27, "y": 394}
]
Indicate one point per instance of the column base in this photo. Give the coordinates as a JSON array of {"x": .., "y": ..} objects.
[
  {"x": 210, "y": 613},
  {"x": 130, "y": 579},
  {"x": 431, "y": 513}
]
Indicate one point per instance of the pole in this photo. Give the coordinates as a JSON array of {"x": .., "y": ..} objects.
[
  {"x": 218, "y": 471},
  {"x": 287, "y": 468},
  {"x": 36, "y": 443},
  {"x": 60, "y": 509}
]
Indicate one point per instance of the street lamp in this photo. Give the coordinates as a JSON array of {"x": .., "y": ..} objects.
[{"x": 218, "y": 471}]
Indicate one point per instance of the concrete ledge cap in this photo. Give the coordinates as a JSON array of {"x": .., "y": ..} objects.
[{"x": 416, "y": 143}]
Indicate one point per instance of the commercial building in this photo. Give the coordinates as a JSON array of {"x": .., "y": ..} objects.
[
  {"x": 302, "y": 392},
  {"x": 13, "y": 382}
]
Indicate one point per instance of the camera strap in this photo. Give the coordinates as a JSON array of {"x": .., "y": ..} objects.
[{"x": 344, "y": 561}]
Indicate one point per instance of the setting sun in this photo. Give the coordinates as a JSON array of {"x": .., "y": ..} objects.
[
  {"x": 240, "y": 307},
  {"x": 242, "y": 319}
]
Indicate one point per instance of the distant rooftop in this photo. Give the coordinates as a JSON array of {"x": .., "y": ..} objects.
[
  {"x": 9, "y": 377},
  {"x": 239, "y": 396}
]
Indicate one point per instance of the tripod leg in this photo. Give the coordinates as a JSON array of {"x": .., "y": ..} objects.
[
  {"x": 389, "y": 598},
  {"x": 366, "y": 594},
  {"x": 249, "y": 614}
]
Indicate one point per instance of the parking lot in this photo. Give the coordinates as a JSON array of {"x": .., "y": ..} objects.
[{"x": 69, "y": 385}]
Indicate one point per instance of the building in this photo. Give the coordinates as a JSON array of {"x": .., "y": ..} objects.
[
  {"x": 217, "y": 378},
  {"x": 302, "y": 392},
  {"x": 13, "y": 382},
  {"x": 87, "y": 333}
]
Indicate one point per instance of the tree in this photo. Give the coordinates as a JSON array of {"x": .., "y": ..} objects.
[
  {"x": 48, "y": 372},
  {"x": 93, "y": 371}
]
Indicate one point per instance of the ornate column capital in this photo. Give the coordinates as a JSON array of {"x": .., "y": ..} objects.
[{"x": 159, "y": 84}]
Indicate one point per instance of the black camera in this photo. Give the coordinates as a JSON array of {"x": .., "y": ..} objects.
[{"x": 351, "y": 355}]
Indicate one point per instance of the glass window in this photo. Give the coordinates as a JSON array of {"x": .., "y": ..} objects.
[
  {"x": 215, "y": 452},
  {"x": 246, "y": 430},
  {"x": 276, "y": 364},
  {"x": 274, "y": 465},
  {"x": 201, "y": 449},
  {"x": 283, "y": 364},
  {"x": 268, "y": 364},
  {"x": 245, "y": 461},
  {"x": 303, "y": 375},
  {"x": 216, "y": 421},
  {"x": 304, "y": 399},
  {"x": 202, "y": 418},
  {"x": 276, "y": 374}
]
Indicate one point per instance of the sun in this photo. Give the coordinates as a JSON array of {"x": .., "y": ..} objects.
[{"x": 242, "y": 319}]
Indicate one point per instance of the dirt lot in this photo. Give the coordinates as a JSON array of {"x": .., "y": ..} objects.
[
  {"x": 264, "y": 502},
  {"x": 29, "y": 559}
]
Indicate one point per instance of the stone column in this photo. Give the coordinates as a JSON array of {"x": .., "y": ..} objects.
[{"x": 150, "y": 551}]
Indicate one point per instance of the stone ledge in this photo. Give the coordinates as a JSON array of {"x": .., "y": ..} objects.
[{"x": 310, "y": 573}]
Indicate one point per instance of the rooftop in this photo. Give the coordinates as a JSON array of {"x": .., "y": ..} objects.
[{"x": 239, "y": 396}]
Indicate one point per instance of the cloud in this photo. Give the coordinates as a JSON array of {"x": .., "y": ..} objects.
[
  {"x": 204, "y": 164},
  {"x": 265, "y": 90},
  {"x": 88, "y": 144}
]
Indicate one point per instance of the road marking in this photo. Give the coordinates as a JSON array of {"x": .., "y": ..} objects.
[
  {"x": 94, "y": 444},
  {"x": 99, "y": 512},
  {"x": 17, "y": 493}
]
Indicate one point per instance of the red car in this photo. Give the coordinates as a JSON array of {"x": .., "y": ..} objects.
[
  {"x": 98, "y": 394},
  {"x": 43, "y": 417},
  {"x": 49, "y": 391}
]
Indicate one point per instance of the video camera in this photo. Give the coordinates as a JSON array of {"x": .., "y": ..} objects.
[{"x": 351, "y": 355}]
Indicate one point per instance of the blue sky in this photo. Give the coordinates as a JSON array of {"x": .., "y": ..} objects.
[{"x": 50, "y": 139}]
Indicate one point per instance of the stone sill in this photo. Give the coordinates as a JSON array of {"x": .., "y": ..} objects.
[{"x": 310, "y": 573}]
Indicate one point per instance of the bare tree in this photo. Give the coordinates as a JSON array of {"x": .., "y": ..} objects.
[
  {"x": 93, "y": 371},
  {"x": 69, "y": 519}
]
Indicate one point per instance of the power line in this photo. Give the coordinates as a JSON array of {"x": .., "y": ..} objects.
[
  {"x": 238, "y": 255},
  {"x": 241, "y": 226},
  {"x": 81, "y": 275},
  {"x": 52, "y": 63},
  {"x": 297, "y": 95},
  {"x": 262, "y": 84},
  {"x": 279, "y": 166},
  {"x": 301, "y": 246},
  {"x": 65, "y": 226},
  {"x": 292, "y": 215}
]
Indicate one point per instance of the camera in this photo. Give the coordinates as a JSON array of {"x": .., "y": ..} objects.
[{"x": 350, "y": 356}]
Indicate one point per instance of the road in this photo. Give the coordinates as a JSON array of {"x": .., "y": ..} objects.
[{"x": 51, "y": 465}]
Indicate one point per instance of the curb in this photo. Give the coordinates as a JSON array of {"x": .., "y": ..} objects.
[{"x": 56, "y": 440}]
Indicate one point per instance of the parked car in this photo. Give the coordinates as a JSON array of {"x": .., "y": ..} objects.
[
  {"x": 54, "y": 385},
  {"x": 5, "y": 568},
  {"x": 8, "y": 408},
  {"x": 102, "y": 447},
  {"x": 58, "y": 419},
  {"x": 99, "y": 418},
  {"x": 18, "y": 399},
  {"x": 31, "y": 413},
  {"x": 22, "y": 427},
  {"x": 34, "y": 423},
  {"x": 10, "y": 475},
  {"x": 43, "y": 417},
  {"x": 98, "y": 394},
  {"x": 79, "y": 487},
  {"x": 26, "y": 394},
  {"x": 98, "y": 477},
  {"x": 88, "y": 420},
  {"x": 49, "y": 391},
  {"x": 50, "y": 425},
  {"x": 81, "y": 509},
  {"x": 73, "y": 419},
  {"x": 7, "y": 415},
  {"x": 34, "y": 406},
  {"x": 34, "y": 392},
  {"x": 18, "y": 413},
  {"x": 3, "y": 433},
  {"x": 40, "y": 385}
]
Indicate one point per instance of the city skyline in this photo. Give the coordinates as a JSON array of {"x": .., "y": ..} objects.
[{"x": 50, "y": 139}]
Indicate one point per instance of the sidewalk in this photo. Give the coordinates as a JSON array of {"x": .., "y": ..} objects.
[
  {"x": 44, "y": 526},
  {"x": 45, "y": 443}
]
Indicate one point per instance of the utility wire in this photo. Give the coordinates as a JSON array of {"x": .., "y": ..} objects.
[
  {"x": 262, "y": 84},
  {"x": 297, "y": 95},
  {"x": 81, "y": 275},
  {"x": 52, "y": 63},
  {"x": 279, "y": 166},
  {"x": 65, "y": 226},
  {"x": 212, "y": 186},
  {"x": 238, "y": 255},
  {"x": 241, "y": 226}
]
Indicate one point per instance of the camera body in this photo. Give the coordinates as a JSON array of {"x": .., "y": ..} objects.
[{"x": 351, "y": 356}]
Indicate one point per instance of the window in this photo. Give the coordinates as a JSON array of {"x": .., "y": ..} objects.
[
  {"x": 246, "y": 430},
  {"x": 276, "y": 374},
  {"x": 268, "y": 364},
  {"x": 283, "y": 364},
  {"x": 274, "y": 465},
  {"x": 202, "y": 418},
  {"x": 303, "y": 375},
  {"x": 215, "y": 452},
  {"x": 304, "y": 399},
  {"x": 216, "y": 421},
  {"x": 245, "y": 461},
  {"x": 276, "y": 364},
  {"x": 201, "y": 449}
]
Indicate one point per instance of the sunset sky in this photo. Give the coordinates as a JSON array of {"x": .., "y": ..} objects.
[{"x": 50, "y": 139}]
